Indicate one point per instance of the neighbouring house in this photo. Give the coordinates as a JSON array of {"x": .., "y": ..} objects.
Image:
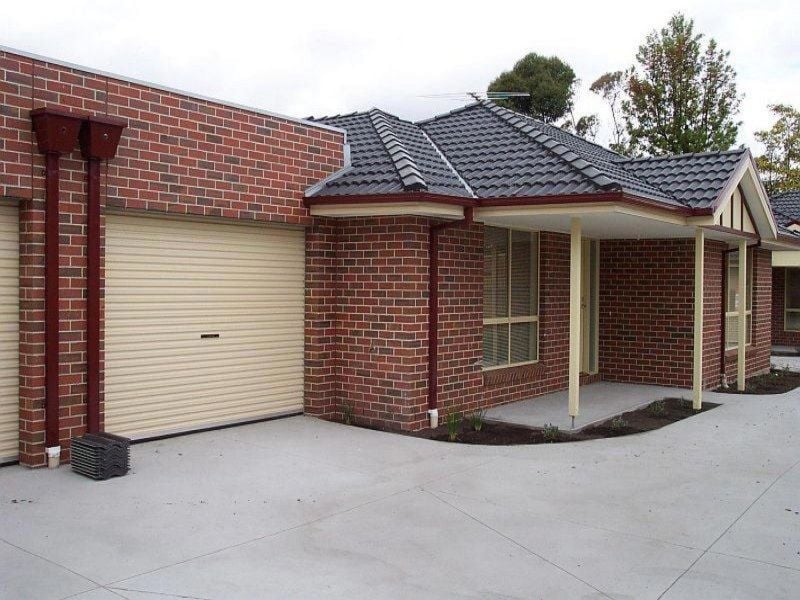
[
  {"x": 172, "y": 263},
  {"x": 786, "y": 274}
]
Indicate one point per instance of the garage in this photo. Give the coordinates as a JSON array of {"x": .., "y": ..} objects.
[
  {"x": 203, "y": 324},
  {"x": 9, "y": 333}
]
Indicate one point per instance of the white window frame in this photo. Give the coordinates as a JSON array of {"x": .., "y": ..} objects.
[
  {"x": 786, "y": 309},
  {"x": 748, "y": 298},
  {"x": 509, "y": 320}
]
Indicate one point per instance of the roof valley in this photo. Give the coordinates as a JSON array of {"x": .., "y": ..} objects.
[{"x": 449, "y": 165}]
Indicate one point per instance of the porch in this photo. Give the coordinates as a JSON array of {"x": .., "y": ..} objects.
[{"x": 599, "y": 401}]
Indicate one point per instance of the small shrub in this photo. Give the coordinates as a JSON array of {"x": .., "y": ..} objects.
[
  {"x": 618, "y": 423},
  {"x": 550, "y": 432},
  {"x": 453, "y": 424},
  {"x": 476, "y": 419},
  {"x": 658, "y": 408},
  {"x": 347, "y": 413}
]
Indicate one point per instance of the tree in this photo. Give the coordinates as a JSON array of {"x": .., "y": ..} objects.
[
  {"x": 682, "y": 96},
  {"x": 611, "y": 87},
  {"x": 549, "y": 81},
  {"x": 585, "y": 126},
  {"x": 780, "y": 163}
]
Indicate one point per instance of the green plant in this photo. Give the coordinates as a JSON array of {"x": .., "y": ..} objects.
[
  {"x": 550, "y": 433},
  {"x": 618, "y": 423},
  {"x": 476, "y": 419},
  {"x": 347, "y": 413},
  {"x": 658, "y": 408},
  {"x": 453, "y": 425}
]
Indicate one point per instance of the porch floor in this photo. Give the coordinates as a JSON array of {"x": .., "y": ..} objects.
[{"x": 598, "y": 402}]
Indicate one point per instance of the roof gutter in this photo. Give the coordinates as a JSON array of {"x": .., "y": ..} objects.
[
  {"x": 433, "y": 310},
  {"x": 602, "y": 197}
]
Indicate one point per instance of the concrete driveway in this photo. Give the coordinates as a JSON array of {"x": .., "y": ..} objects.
[{"x": 298, "y": 508}]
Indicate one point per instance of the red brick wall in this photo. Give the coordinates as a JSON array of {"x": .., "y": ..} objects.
[
  {"x": 646, "y": 311},
  {"x": 367, "y": 284},
  {"x": 551, "y": 372},
  {"x": 780, "y": 336},
  {"x": 460, "y": 321},
  {"x": 179, "y": 155}
]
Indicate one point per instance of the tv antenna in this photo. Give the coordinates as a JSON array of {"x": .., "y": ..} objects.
[{"x": 477, "y": 96}]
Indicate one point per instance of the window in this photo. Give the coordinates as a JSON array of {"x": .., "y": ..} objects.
[
  {"x": 791, "y": 320},
  {"x": 510, "y": 297},
  {"x": 736, "y": 302}
]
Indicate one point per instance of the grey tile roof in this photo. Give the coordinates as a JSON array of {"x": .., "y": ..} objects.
[
  {"x": 389, "y": 155},
  {"x": 786, "y": 208},
  {"x": 693, "y": 179},
  {"x": 494, "y": 152}
]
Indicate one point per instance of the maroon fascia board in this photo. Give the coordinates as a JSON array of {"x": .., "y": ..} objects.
[{"x": 506, "y": 201}]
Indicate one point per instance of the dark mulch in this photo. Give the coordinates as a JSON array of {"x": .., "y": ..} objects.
[
  {"x": 647, "y": 418},
  {"x": 777, "y": 381}
]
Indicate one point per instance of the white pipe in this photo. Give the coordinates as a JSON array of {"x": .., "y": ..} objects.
[
  {"x": 433, "y": 415},
  {"x": 53, "y": 457}
]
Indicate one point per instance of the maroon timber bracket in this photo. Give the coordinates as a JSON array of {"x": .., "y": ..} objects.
[
  {"x": 99, "y": 139},
  {"x": 56, "y": 134}
]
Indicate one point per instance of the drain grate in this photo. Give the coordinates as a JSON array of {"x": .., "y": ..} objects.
[{"x": 100, "y": 455}]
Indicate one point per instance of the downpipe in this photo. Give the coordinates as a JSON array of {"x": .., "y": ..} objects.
[{"x": 433, "y": 310}]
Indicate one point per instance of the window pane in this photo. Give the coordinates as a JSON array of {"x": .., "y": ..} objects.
[
  {"x": 749, "y": 331},
  {"x": 523, "y": 274},
  {"x": 731, "y": 331},
  {"x": 495, "y": 272},
  {"x": 732, "y": 285},
  {"x": 495, "y": 345},
  {"x": 793, "y": 321},
  {"x": 792, "y": 288},
  {"x": 523, "y": 341},
  {"x": 749, "y": 282}
]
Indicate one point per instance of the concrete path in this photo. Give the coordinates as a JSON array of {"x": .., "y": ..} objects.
[
  {"x": 298, "y": 508},
  {"x": 786, "y": 362},
  {"x": 598, "y": 402}
]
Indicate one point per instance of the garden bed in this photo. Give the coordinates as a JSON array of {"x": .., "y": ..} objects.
[
  {"x": 777, "y": 381},
  {"x": 493, "y": 433}
]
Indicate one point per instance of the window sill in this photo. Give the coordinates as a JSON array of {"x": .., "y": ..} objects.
[
  {"x": 511, "y": 365},
  {"x": 734, "y": 351},
  {"x": 508, "y": 374}
]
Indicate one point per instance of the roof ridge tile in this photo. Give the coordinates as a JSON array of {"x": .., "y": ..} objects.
[
  {"x": 410, "y": 175},
  {"x": 528, "y": 128}
]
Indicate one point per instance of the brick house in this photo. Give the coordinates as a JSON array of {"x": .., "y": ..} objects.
[
  {"x": 172, "y": 263},
  {"x": 786, "y": 273}
]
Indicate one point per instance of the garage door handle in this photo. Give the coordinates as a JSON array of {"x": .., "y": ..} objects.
[{"x": 208, "y": 336}]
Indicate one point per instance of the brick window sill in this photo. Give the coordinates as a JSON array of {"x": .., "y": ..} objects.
[{"x": 512, "y": 374}]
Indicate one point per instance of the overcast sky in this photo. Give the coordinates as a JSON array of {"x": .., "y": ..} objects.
[{"x": 301, "y": 58}]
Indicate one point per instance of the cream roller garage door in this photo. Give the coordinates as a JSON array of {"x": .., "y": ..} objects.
[
  {"x": 9, "y": 333},
  {"x": 204, "y": 324}
]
